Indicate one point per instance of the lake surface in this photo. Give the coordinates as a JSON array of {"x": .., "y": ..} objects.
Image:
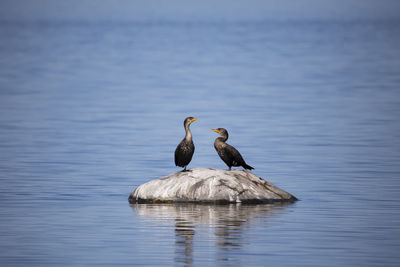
[{"x": 89, "y": 111}]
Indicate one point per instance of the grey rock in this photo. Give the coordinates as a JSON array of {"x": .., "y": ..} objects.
[{"x": 210, "y": 186}]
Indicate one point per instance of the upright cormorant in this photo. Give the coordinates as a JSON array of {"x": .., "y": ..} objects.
[
  {"x": 184, "y": 151},
  {"x": 228, "y": 153}
]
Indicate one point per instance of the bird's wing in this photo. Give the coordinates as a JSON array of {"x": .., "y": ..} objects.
[{"x": 237, "y": 159}]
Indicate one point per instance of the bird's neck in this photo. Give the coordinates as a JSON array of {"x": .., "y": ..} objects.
[
  {"x": 221, "y": 139},
  {"x": 188, "y": 135}
]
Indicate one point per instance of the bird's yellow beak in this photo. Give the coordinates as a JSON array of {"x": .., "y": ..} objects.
[
  {"x": 192, "y": 120},
  {"x": 215, "y": 130}
]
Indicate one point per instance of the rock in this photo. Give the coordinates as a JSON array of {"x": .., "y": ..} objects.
[{"x": 210, "y": 186}]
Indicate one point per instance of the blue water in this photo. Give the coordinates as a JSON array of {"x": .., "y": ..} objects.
[{"x": 89, "y": 111}]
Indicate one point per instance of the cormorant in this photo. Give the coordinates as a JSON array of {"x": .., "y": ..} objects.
[
  {"x": 184, "y": 151},
  {"x": 228, "y": 153}
]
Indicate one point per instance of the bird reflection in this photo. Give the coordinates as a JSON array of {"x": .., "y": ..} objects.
[
  {"x": 228, "y": 223},
  {"x": 229, "y": 232},
  {"x": 184, "y": 233}
]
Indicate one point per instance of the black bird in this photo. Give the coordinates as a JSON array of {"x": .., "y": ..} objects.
[
  {"x": 228, "y": 153},
  {"x": 184, "y": 151}
]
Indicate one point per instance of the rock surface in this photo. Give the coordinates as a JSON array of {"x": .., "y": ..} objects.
[{"x": 210, "y": 186}]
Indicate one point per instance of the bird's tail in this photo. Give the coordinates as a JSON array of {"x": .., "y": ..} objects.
[{"x": 248, "y": 167}]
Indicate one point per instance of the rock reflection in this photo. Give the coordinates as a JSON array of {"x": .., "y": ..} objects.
[{"x": 228, "y": 224}]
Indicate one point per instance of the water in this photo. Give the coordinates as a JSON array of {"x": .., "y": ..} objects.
[{"x": 89, "y": 111}]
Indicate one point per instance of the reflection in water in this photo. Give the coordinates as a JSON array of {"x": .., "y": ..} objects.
[
  {"x": 229, "y": 232},
  {"x": 184, "y": 232},
  {"x": 227, "y": 222}
]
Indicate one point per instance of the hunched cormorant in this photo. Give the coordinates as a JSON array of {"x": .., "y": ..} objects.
[
  {"x": 228, "y": 153},
  {"x": 184, "y": 151}
]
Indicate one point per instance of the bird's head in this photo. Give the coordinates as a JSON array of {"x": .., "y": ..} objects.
[
  {"x": 221, "y": 131},
  {"x": 189, "y": 120}
]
